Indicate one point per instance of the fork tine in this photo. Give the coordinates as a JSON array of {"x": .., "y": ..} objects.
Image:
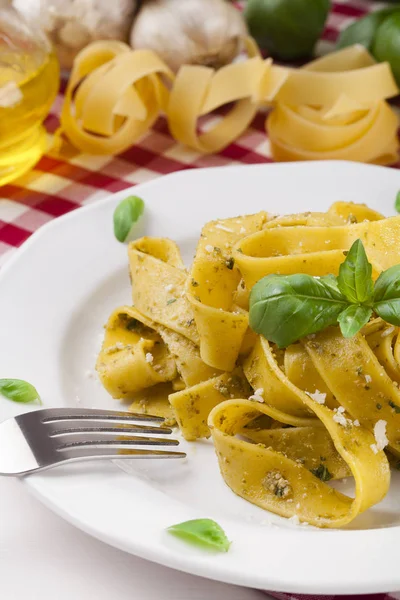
[
  {"x": 99, "y": 453},
  {"x": 70, "y": 441},
  {"x": 95, "y": 414},
  {"x": 56, "y": 430}
]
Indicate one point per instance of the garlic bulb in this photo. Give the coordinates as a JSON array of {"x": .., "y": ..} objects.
[
  {"x": 72, "y": 24},
  {"x": 204, "y": 32}
]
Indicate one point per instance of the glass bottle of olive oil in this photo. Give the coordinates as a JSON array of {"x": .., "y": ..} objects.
[{"x": 29, "y": 80}]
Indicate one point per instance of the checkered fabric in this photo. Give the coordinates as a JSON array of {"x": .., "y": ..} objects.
[{"x": 56, "y": 186}]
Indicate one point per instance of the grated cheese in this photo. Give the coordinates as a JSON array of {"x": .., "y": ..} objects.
[
  {"x": 339, "y": 417},
  {"x": 169, "y": 287},
  {"x": 318, "y": 396},
  {"x": 380, "y": 436},
  {"x": 356, "y": 423},
  {"x": 208, "y": 248},
  {"x": 258, "y": 395},
  {"x": 368, "y": 378},
  {"x": 149, "y": 357}
]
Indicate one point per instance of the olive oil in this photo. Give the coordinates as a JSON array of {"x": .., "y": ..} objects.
[{"x": 29, "y": 80}]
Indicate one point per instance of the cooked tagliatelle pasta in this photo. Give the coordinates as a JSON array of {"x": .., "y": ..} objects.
[{"x": 285, "y": 422}]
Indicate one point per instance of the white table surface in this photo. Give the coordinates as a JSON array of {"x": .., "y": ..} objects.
[{"x": 43, "y": 557}]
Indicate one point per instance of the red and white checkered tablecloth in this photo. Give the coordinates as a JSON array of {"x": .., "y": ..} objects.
[{"x": 56, "y": 186}]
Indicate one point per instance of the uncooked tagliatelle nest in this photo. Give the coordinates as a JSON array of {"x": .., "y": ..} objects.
[
  {"x": 73, "y": 24},
  {"x": 333, "y": 108}
]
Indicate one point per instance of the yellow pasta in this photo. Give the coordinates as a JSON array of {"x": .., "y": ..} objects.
[
  {"x": 315, "y": 250},
  {"x": 274, "y": 481},
  {"x": 133, "y": 357},
  {"x": 211, "y": 287},
  {"x": 284, "y": 421},
  {"x": 161, "y": 298},
  {"x": 193, "y": 405},
  {"x": 334, "y": 107},
  {"x": 113, "y": 96}
]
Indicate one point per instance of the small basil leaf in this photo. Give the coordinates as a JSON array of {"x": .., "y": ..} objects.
[
  {"x": 363, "y": 30},
  {"x": 202, "y": 532},
  {"x": 387, "y": 295},
  {"x": 353, "y": 319},
  {"x": 127, "y": 214},
  {"x": 18, "y": 390},
  {"x": 397, "y": 202},
  {"x": 355, "y": 275},
  {"x": 285, "y": 308}
]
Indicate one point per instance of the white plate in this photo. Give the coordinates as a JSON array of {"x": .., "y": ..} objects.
[{"x": 56, "y": 294}]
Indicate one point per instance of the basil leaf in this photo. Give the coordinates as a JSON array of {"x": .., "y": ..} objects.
[
  {"x": 331, "y": 282},
  {"x": 387, "y": 295},
  {"x": 353, "y": 319},
  {"x": 397, "y": 202},
  {"x": 127, "y": 214},
  {"x": 355, "y": 275},
  {"x": 285, "y": 308},
  {"x": 363, "y": 30},
  {"x": 18, "y": 390},
  {"x": 202, "y": 532}
]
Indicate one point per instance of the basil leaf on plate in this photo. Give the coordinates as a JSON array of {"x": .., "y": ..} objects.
[
  {"x": 387, "y": 295},
  {"x": 285, "y": 308},
  {"x": 19, "y": 390},
  {"x": 202, "y": 532},
  {"x": 355, "y": 275},
  {"x": 126, "y": 215},
  {"x": 353, "y": 319}
]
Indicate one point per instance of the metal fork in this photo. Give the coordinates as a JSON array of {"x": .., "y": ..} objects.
[{"x": 44, "y": 438}]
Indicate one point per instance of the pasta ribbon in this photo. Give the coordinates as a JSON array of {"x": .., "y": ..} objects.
[
  {"x": 385, "y": 345},
  {"x": 358, "y": 381},
  {"x": 191, "y": 367},
  {"x": 354, "y": 213},
  {"x": 113, "y": 96},
  {"x": 211, "y": 287},
  {"x": 158, "y": 291},
  {"x": 277, "y": 478},
  {"x": 154, "y": 401},
  {"x": 335, "y": 108},
  {"x": 263, "y": 372},
  {"x": 315, "y": 250},
  {"x": 193, "y": 405},
  {"x": 133, "y": 357}
]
